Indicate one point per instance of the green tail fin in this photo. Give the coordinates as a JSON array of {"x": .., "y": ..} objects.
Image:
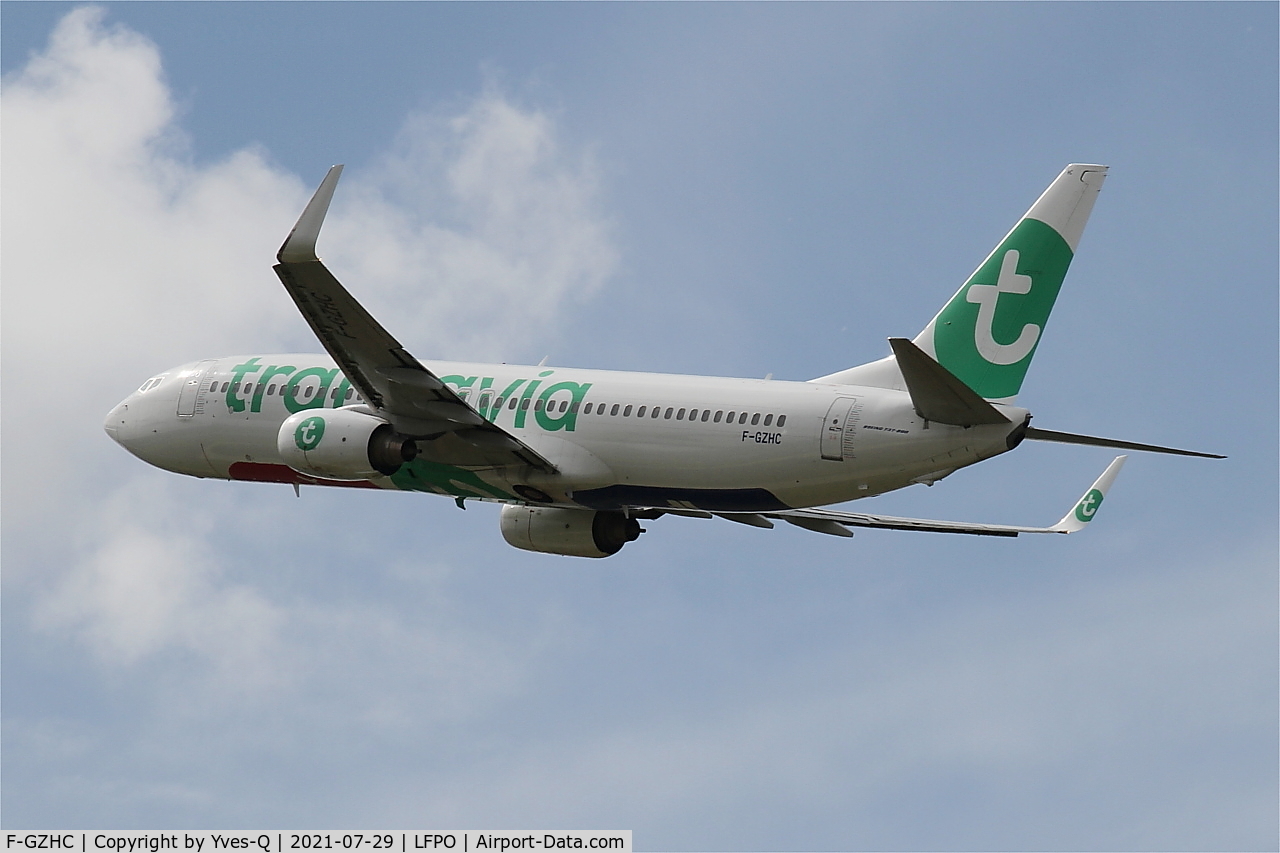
[{"x": 988, "y": 333}]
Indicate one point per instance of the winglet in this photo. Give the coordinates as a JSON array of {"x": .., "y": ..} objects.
[
  {"x": 1087, "y": 507},
  {"x": 300, "y": 246}
]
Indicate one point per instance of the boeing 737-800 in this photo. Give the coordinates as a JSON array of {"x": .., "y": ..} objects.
[{"x": 579, "y": 457}]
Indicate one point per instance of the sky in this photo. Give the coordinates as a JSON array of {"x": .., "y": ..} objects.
[{"x": 718, "y": 189}]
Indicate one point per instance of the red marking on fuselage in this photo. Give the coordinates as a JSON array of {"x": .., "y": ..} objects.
[{"x": 264, "y": 472}]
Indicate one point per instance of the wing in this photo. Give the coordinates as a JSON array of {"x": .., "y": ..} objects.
[
  {"x": 394, "y": 383},
  {"x": 838, "y": 523}
]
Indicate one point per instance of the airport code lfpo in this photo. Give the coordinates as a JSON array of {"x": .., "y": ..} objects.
[{"x": 276, "y": 841}]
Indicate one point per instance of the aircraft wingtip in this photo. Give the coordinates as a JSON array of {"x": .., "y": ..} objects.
[{"x": 300, "y": 245}]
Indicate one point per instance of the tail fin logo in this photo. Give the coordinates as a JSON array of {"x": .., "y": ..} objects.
[
  {"x": 988, "y": 333},
  {"x": 986, "y": 296},
  {"x": 1088, "y": 506}
]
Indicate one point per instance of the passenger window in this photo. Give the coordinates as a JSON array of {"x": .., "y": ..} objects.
[
  {"x": 782, "y": 419},
  {"x": 537, "y": 407},
  {"x": 640, "y": 412},
  {"x": 498, "y": 405},
  {"x": 486, "y": 400},
  {"x": 514, "y": 402},
  {"x": 657, "y": 410},
  {"x": 614, "y": 410},
  {"x": 573, "y": 407},
  {"x": 587, "y": 410},
  {"x": 524, "y": 404},
  {"x": 693, "y": 414},
  {"x": 729, "y": 419},
  {"x": 667, "y": 416},
  {"x": 680, "y": 415},
  {"x": 564, "y": 404},
  {"x": 350, "y": 391},
  {"x": 308, "y": 392},
  {"x": 719, "y": 414},
  {"x": 271, "y": 390},
  {"x": 768, "y": 419},
  {"x": 755, "y": 419},
  {"x": 706, "y": 413},
  {"x": 626, "y": 413},
  {"x": 214, "y": 386},
  {"x": 742, "y": 418}
]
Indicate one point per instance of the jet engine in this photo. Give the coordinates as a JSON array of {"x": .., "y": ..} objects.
[
  {"x": 342, "y": 444},
  {"x": 572, "y": 532}
]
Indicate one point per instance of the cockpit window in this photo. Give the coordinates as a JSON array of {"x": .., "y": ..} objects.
[{"x": 151, "y": 383}]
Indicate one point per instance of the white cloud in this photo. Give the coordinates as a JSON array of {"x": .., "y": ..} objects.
[
  {"x": 123, "y": 256},
  {"x": 146, "y": 584},
  {"x": 473, "y": 231}
]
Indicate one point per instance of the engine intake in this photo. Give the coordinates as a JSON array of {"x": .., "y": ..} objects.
[
  {"x": 342, "y": 444},
  {"x": 571, "y": 532}
]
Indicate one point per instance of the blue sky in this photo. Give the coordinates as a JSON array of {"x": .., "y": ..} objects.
[{"x": 713, "y": 188}]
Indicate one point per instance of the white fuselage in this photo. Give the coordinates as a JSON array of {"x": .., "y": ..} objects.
[{"x": 618, "y": 439}]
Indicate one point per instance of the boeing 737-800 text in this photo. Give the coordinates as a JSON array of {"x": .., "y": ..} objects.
[{"x": 579, "y": 457}]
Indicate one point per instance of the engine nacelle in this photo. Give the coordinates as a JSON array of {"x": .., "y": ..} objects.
[
  {"x": 572, "y": 532},
  {"x": 342, "y": 444}
]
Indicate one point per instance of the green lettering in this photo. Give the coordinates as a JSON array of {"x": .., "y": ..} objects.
[
  {"x": 480, "y": 404},
  {"x": 506, "y": 395},
  {"x": 461, "y": 383},
  {"x": 234, "y": 403},
  {"x": 568, "y": 420},
  {"x": 341, "y": 398},
  {"x": 521, "y": 410},
  {"x": 291, "y": 390},
  {"x": 458, "y": 380},
  {"x": 267, "y": 376}
]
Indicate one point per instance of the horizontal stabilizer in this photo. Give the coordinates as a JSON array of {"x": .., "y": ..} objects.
[
  {"x": 1071, "y": 438},
  {"x": 937, "y": 394}
]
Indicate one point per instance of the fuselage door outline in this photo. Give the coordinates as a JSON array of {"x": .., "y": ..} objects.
[
  {"x": 193, "y": 388},
  {"x": 838, "y": 427}
]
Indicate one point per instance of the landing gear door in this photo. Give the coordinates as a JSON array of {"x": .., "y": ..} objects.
[
  {"x": 839, "y": 428},
  {"x": 193, "y": 387}
]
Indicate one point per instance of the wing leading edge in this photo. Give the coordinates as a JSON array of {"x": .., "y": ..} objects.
[{"x": 395, "y": 383}]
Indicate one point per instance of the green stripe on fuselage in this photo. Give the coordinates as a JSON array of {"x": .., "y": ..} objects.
[{"x": 434, "y": 477}]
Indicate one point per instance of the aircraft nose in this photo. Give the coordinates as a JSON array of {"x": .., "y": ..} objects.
[{"x": 117, "y": 420}]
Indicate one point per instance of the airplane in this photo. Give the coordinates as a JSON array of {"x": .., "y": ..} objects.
[{"x": 578, "y": 458}]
